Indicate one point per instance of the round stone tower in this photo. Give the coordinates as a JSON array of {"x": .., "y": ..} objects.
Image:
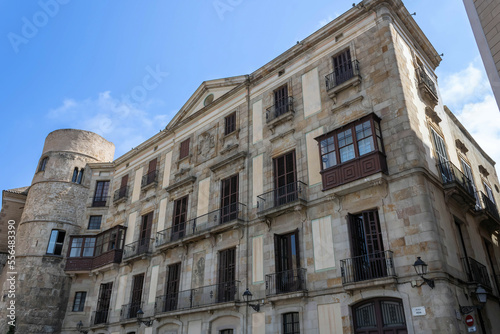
[{"x": 54, "y": 210}]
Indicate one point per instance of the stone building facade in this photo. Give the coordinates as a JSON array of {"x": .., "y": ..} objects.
[
  {"x": 484, "y": 17},
  {"x": 294, "y": 199}
]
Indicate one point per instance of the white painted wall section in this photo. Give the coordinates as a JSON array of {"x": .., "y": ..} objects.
[
  {"x": 311, "y": 93},
  {"x": 324, "y": 256}
]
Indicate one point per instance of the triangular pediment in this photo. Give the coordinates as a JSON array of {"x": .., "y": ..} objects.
[{"x": 208, "y": 93}]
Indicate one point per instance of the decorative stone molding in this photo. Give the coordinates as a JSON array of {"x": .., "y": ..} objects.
[
  {"x": 190, "y": 180},
  {"x": 483, "y": 171},
  {"x": 229, "y": 148},
  {"x": 461, "y": 146},
  {"x": 348, "y": 103},
  {"x": 206, "y": 147},
  {"x": 432, "y": 115},
  {"x": 282, "y": 135},
  {"x": 232, "y": 159}
]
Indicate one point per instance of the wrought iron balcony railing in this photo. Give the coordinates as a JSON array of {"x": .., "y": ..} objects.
[
  {"x": 341, "y": 75},
  {"x": 201, "y": 224},
  {"x": 286, "y": 281},
  {"x": 149, "y": 178},
  {"x": 143, "y": 246},
  {"x": 129, "y": 311},
  {"x": 287, "y": 194},
  {"x": 100, "y": 317},
  {"x": 489, "y": 205},
  {"x": 100, "y": 201},
  {"x": 121, "y": 193},
  {"x": 198, "y": 297},
  {"x": 367, "y": 267},
  {"x": 451, "y": 174},
  {"x": 476, "y": 272},
  {"x": 423, "y": 78},
  {"x": 280, "y": 107}
]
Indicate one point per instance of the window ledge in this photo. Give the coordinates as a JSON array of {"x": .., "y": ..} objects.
[
  {"x": 288, "y": 116},
  {"x": 355, "y": 81}
]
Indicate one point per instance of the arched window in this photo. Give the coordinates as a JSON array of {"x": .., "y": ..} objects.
[
  {"x": 75, "y": 175},
  {"x": 379, "y": 315},
  {"x": 80, "y": 177},
  {"x": 43, "y": 163}
]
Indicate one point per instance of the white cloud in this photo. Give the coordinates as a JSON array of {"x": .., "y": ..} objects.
[
  {"x": 126, "y": 125},
  {"x": 465, "y": 86},
  {"x": 469, "y": 96}
]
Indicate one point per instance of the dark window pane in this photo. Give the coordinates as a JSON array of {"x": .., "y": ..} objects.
[
  {"x": 79, "y": 303},
  {"x": 230, "y": 123},
  {"x": 184, "y": 150},
  {"x": 95, "y": 222}
]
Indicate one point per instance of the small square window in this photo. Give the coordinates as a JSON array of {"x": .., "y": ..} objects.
[
  {"x": 79, "y": 302},
  {"x": 291, "y": 323},
  {"x": 184, "y": 149},
  {"x": 230, "y": 123},
  {"x": 56, "y": 242},
  {"x": 95, "y": 222}
]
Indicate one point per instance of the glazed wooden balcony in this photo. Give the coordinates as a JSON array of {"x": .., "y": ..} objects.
[{"x": 216, "y": 221}]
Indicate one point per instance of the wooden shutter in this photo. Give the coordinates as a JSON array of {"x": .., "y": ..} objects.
[
  {"x": 152, "y": 165},
  {"x": 124, "y": 182},
  {"x": 184, "y": 151},
  {"x": 281, "y": 100},
  {"x": 229, "y": 199},
  {"x": 173, "y": 282}
]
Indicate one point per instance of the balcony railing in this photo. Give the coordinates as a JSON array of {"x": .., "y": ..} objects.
[
  {"x": 121, "y": 193},
  {"x": 149, "y": 178},
  {"x": 451, "y": 174},
  {"x": 342, "y": 75},
  {"x": 287, "y": 194},
  {"x": 100, "y": 317},
  {"x": 286, "y": 281},
  {"x": 424, "y": 79},
  {"x": 141, "y": 247},
  {"x": 201, "y": 224},
  {"x": 476, "y": 272},
  {"x": 100, "y": 201},
  {"x": 367, "y": 267},
  {"x": 279, "y": 108},
  {"x": 199, "y": 297},
  {"x": 129, "y": 311},
  {"x": 489, "y": 205}
]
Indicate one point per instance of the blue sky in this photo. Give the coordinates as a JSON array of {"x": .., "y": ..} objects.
[{"x": 81, "y": 64}]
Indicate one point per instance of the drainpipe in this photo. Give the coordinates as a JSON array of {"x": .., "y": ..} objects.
[{"x": 249, "y": 198}]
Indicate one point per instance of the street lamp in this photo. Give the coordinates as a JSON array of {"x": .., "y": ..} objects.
[
  {"x": 481, "y": 296},
  {"x": 421, "y": 269},
  {"x": 248, "y": 295},
  {"x": 140, "y": 315},
  {"x": 79, "y": 327}
]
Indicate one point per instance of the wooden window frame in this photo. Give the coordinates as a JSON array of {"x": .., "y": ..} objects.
[
  {"x": 90, "y": 227},
  {"x": 337, "y": 172},
  {"x": 82, "y": 246},
  {"x": 379, "y": 318},
  {"x": 80, "y": 297},
  {"x": 112, "y": 239},
  {"x": 172, "y": 286},
  {"x": 281, "y": 105},
  {"x": 342, "y": 63},
  {"x": 230, "y": 123},
  {"x": 179, "y": 218},
  {"x": 229, "y": 198},
  {"x": 184, "y": 148},
  {"x": 295, "y": 321}
]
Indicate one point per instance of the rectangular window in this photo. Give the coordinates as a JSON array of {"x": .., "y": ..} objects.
[
  {"x": 229, "y": 199},
  {"x": 56, "y": 242},
  {"x": 82, "y": 246},
  {"x": 368, "y": 257},
  {"x": 151, "y": 175},
  {"x": 101, "y": 194},
  {"x": 179, "y": 219},
  {"x": 342, "y": 67},
  {"x": 230, "y": 123},
  {"x": 122, "y": 191},
  {"x": 184, "y": 151},
  {"x": 136, "y": 300},
  {"x": 145, "y": 233},
  {"x": 79, "y": 302},
  {"x": 291, "y": 323},
  {"x": 472, "y": 186},
  {"x": 173, "y": 282},
  {"x": 103, "y": 303},
  {"x": 285, "y": 179},
  {"x": 489, "y": 193},
  {"x": 43, "y": 163},
  {"x": 281, "y": 101},
  {"x": 95, "y": 222},
  {"x": 287, "y": 262},
  {"x": 227, "y": 274},
  {"x": 110, "y": 240},
  {"x": 350, "y": 141}
]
